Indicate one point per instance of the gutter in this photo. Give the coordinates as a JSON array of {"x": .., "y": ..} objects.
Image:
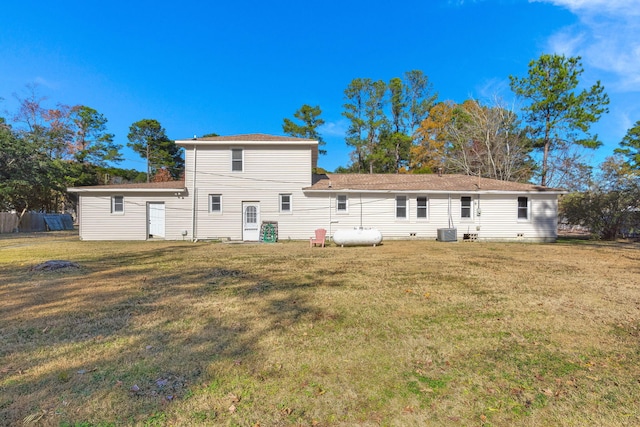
[
  {"x": 124, "y": 190},
  {"x": 424, "y": 190}
]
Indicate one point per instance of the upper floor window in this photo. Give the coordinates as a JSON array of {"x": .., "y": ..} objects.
[
  {"x": 341, "y": 203},
  {"x": 215, "y": 203},
  {"x": 285, "y": 203},
  {"x": 421, "y": 207},
  {"x": 401, "y": 207},
  {"x": 523, "y": 208},
  {"x": 117, "y": 204},
  {"x": 236, "y": 160},
  {"x": 465, "y": 207}
]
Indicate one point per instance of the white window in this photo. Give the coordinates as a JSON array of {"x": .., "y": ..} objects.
[
  {"x": 421, "y": 207},
  {"x": 236, "y": 160},
  {"x": 523, "y": 208},
  {"x": 117, "y": 204},
  {"x": 285, "y": 203},
  {"x": 401, "y": 207},
  {"x": 215, "y": 203},
  {"x": 465, "y": 207},
  {"x": 342, "y": 203}
]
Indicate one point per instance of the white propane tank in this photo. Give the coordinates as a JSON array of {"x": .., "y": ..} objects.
[{"x": 357, "y": 237}]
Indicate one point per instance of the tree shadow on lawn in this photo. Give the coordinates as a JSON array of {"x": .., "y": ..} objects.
[
  {"x": 120, "y": 338},
  {"x": 595, "y": 243},
  {"x": 22, "y": 288}
]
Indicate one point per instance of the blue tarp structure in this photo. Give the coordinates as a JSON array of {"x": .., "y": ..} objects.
[{"x": 58, "y": 222}]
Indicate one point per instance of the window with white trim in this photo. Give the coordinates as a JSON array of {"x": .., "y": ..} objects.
[
  {"x": 236, "y": 160},
  {"x": 117, "y": 204},
  {"x": 465, "y": 207},
  {"x": 342, "y": 203},
  {"x": 215, "y": 203},
  {"x": 401, "y": 207},
  {"x": 421, "y": 208},
  {"x": 285, "y": 203},
  {"x": 523, "y": 208}
]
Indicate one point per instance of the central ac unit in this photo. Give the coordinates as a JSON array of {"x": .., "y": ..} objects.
[{"x": 447, "y": 234}]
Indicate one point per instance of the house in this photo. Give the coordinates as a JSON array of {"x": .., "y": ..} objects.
[{"x": 239, "y": 187}]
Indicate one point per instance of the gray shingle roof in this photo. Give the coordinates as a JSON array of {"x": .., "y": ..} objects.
[{"x": 418, "y": 182}]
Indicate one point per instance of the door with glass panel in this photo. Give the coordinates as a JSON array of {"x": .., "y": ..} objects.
[{"x": 251, "y": 221}]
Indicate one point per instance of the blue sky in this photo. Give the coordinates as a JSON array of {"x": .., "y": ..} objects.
[{"x": 242, "y": 67}]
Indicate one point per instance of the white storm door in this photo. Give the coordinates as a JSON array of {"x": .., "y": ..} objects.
[
  {"x": 156, "y": 219},
  {"x": 250, "y": 221}
]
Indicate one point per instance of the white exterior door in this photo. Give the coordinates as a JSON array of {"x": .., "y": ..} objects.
[
  {"x": 156, "y": 219},
  {"x": 251, "y": 221}
]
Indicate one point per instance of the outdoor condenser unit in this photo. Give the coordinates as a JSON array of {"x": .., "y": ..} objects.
[{"x": 447, "y": 234}]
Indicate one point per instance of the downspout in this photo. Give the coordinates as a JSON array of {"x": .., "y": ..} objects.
[
  {"x": 193, "y": 206},
  {"x": 449, "y": 212},
  {"x": 332, "y": 198},
  {"x": 79, "y": 216},
  {"x": 479, "y": 215},
  {"x": 330, "y": 222}
]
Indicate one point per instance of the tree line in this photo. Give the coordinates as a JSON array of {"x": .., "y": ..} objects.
[
  {"x": 400, "y": 127},
  {"x": 43, "y": 151}
]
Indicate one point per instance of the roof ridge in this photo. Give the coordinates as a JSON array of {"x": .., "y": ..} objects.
[{"x": 249, "y": 137}]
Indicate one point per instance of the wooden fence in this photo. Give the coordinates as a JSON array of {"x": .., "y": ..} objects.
[
  {"x": 8, "y": 222},
  {"x": 34, "y": 221}
]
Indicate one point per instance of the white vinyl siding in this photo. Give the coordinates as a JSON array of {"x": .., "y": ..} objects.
[
  {"x": 96, "y": 223},
  {"x": 313, "y": 210},
  {"x": 268, "y": 172},
  {"x": 499, "y": 220},
  {"x": 401, "y": 207},
  {"x": 117, "y": 205}
]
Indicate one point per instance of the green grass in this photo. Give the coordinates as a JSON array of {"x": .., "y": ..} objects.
[{"x": 408, "y": 333}]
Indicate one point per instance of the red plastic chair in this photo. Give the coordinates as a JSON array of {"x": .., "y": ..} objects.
[{"x": 321, "y": 233}]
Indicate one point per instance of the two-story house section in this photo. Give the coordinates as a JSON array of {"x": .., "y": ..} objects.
[
  {"x": 236, "y": 185},
  {"x": 239, "y": 182}
]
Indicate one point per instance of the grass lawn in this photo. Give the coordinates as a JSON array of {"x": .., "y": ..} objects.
[{"x": 409, "y": 333}]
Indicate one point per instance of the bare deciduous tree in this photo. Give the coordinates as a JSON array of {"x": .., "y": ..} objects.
[{"x": 487, "y": 141}]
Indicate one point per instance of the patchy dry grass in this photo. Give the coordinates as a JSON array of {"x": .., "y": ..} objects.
[{"x": 408, "y": 333}]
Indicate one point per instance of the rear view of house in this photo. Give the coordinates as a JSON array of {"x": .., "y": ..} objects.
[{"x": 236, "y": 187}]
